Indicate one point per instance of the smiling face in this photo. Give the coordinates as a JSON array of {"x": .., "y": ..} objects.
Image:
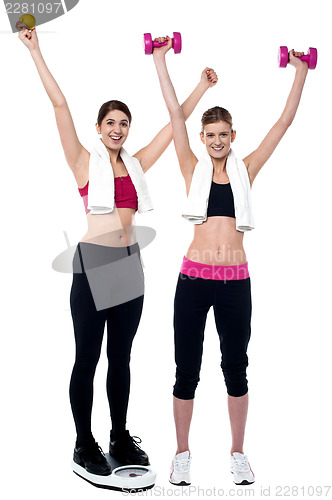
[
  {"x": 217, "y": 138},
  {"x": 114, "y": 129}
]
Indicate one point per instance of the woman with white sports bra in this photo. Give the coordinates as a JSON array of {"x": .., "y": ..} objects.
[
  {"x": 214, "y": 271},
  {"x": 111, "y": 198}
]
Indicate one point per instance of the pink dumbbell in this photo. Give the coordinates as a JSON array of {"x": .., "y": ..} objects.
[
  {"x": 150, "y": 44},
  {"x": 310, "y": 58}
]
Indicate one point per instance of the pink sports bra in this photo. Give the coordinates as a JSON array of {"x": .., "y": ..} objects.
[{"x": 125, "y": 193}]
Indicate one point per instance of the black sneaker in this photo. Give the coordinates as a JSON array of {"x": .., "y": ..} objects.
[
  {"x": 126, "y": 449},
  {"x": 91, "y": 457}
]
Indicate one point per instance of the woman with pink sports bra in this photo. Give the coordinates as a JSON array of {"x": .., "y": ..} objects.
[
  {"x": 113, "y": 188},
  {"x": 214, "y": 271}
]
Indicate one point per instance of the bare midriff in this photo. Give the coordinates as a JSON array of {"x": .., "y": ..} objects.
[
  {"x": 115, "y": 229},
  {"x": 217, "y": 242}
]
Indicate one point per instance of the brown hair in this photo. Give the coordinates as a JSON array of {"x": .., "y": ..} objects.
[
  {"x": 111, "y": 106},
  {"x": 216, "y": 114}
]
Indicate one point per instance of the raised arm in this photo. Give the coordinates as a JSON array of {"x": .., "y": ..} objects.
[
  {"x": 257, "y": 158},
  {"x": 76, "y": 155},
  {"x": 164, "y": 137}
]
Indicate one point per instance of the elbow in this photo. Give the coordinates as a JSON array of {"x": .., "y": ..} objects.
[
  {"x": 286, "y": 121},
  {"x": 59, "y": 103},
  {"x": 175, "y": 110}
]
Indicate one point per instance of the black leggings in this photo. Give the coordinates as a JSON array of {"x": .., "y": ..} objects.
[
  {"x": 89, "y": 324},
  {"x": 231, "y": 301}
]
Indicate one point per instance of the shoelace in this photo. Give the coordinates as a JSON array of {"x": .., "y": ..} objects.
[
  {"x": 96, "y": 450},
  {"x": 182, "y": 463},
  {"x": 241, "y": 464},
  {"x": 135, "y": 441}
]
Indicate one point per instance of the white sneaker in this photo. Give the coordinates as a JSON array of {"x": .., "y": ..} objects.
[
  {"x": 180, "y": 469},
  {"x": 241, "y": 469}
]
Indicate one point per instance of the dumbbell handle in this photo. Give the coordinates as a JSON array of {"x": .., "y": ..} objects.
[
  {"x": 156, "y": 44},
  {"x": 304, "y": 58}
]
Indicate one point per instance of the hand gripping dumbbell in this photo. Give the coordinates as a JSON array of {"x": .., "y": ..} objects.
[
  {"x": 26, "y": 22},
  {"x": 150, "y": 44},
  {"x": 310, "y": 58}
]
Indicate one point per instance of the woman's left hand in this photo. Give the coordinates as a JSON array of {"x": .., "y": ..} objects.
[{"x": 209, "y": 77}]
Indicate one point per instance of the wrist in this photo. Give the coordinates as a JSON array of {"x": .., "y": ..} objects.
[
  {"x": 158, "y": 56},
  {"x": 302, "y": 69},
  {"x": 203, "y": 86},
  {"x": 35, "y": 51}
]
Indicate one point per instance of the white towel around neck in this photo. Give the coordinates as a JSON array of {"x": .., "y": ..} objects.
[
  {"x": 195, "y": 210},
  {"x": 101, "y": 180}
]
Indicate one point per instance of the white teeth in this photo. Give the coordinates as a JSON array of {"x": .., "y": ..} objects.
[{"x": 115, "y": 138}]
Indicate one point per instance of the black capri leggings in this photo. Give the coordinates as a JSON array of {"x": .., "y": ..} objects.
[
  {"x": 231, "y": 301},
  {"x": 89, "y": 324}
]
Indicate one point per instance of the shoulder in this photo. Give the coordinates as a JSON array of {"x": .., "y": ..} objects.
[
  {"x": 136, "y": 159},
  {"x": 137, "y": 162},
  {"x": 81, "y": 170},
  {"x": 248, "y": 164}
]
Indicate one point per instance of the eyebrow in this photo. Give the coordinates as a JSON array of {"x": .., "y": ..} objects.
[{"x": 112, "y": 119}]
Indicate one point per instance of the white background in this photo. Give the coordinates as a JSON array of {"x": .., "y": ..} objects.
[{"x": 95, "y": 53}]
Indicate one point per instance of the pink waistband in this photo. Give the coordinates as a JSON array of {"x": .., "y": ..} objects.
[{"x": 214, "y": 272}]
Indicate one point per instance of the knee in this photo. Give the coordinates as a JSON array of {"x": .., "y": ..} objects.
[
  {"x": 185, "y": 385},
  {"x": 86, "y": 365},
  {"x": 235, "y": 377},
  {"x": 118, "y": 358}
]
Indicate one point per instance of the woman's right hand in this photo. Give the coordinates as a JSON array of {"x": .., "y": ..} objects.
[
  {"x": 161, "y": 51},
  {"x": 294, "y": 60},
  {"x": 29, "y": 38}
]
